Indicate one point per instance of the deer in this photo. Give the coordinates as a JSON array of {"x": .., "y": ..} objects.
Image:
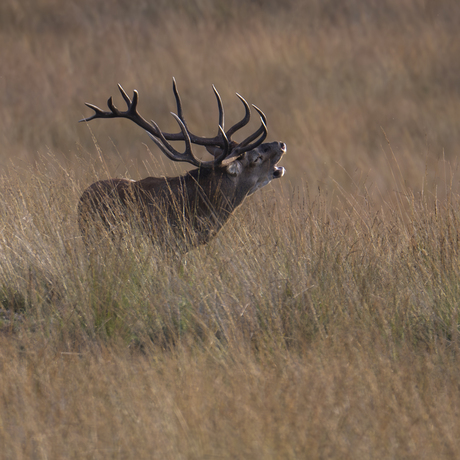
[{"x": 186, "y": 211}]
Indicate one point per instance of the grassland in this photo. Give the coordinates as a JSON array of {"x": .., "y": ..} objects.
[{"x": 322, "y": 322}]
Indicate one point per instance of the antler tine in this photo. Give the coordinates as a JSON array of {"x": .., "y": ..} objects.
[
  {"x": 178, "y": 102},
  {"x": 261, "y": 131},
  {"x": 244, "y": 121},
  {"x": 262, "y": 115},
  {"x": 99, "y": 113},
  {"x": 125, "y": 95},
  {"x": 113, "y": 109},
  {"x": 161, "y": 146},
  {"x": 221, "y": 108}
]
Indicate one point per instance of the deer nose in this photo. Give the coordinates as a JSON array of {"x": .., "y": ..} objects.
[{"x": 283, "y": 147}]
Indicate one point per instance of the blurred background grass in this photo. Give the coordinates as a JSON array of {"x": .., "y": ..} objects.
[{"x": 329, "y": 75}]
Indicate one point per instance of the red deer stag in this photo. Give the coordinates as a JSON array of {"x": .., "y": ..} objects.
[{"x": 186, "y": 211}]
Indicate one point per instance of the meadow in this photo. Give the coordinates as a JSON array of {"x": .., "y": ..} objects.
[{"x": 321, "y": 322}]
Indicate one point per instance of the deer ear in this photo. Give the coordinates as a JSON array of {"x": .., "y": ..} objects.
[{"x": 235, "y": 168}]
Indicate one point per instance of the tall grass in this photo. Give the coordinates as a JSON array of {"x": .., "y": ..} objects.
[
  {"x": 322, "y": 322},
  {"x": 302, "y": 327}
]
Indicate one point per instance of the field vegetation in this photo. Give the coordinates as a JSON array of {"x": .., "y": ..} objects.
[{"x": 322, "y": 322}]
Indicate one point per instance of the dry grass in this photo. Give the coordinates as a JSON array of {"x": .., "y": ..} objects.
[{"x": 323, "y": 320}]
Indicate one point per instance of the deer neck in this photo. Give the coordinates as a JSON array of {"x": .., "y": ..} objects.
[
  {"x": 215, "y": 189},
  {"x": 211, "y": 198}
]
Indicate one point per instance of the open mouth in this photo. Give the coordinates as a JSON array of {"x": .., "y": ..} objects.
[{"x": 278, "y": 172}]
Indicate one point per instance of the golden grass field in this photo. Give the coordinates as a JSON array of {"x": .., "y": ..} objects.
[{"x": 322, "y": 322}]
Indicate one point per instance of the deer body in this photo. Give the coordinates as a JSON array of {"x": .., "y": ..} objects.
[{"x": 188, "y": 210}]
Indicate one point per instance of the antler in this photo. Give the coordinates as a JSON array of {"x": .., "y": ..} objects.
[{"x": 225, "y": 148}]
